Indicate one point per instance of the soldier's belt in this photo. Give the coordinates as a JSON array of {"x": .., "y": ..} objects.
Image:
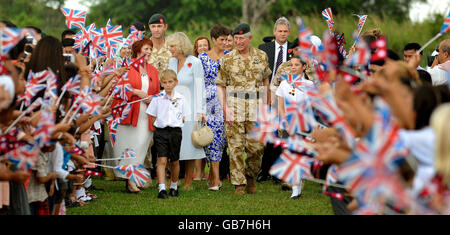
[{"x": 244, "y": 95}]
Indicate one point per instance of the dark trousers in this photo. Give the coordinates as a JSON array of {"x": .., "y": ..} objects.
[
  {"x": 224, "y": 165},
  {"x": 339, "y": 206},
  {"x": 98, "y": 151},
  {"x": 271, "y": 154}
]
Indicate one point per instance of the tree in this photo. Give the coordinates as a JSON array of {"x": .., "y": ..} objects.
[{"x": 253, "y": 11}]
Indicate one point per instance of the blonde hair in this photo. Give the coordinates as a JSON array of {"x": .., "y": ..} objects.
[
  {"x": 439, "y": 121},
  {"x": 167, "y": 74},
  {"x": 181, "y": 43}
]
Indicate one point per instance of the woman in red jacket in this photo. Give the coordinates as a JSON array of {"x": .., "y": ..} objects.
[{"x": 136, "y": 132}]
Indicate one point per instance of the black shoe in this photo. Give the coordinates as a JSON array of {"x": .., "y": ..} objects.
[
  {"x": 262, "y": 177},
  {"x": 286, "y": 187},
  {"x": 296, "y": 197},
  {"x": 173, "y": 192},
  {"x": 163, "y": 194},
  {"x": 277, "y": 181}
]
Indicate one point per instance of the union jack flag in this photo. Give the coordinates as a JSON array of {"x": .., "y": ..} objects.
[
  {"x": 123, "y": 90},
  {"x": 330, "y": 55},
  {"x": 91, "y": 104},
  {"x": 31, "y": 91},
  {"x": 446, "y": 26},
  {"x": 299, "y": 117},
  {"x": 304, "y": 38},
  {"x": 371, "y": 173},
  {"x": 74, "y": 18},
  {"x": 291, "y": 167},
  {"x": 381, "y": 49},
  {"x": 266, "y": 127},
  {"x": 361, "y": 57},
  {"x": 112, "y": 35},
  {"x": 73, "y": 85},
  {"x": 111, "y": 51},
  {"x": 83, "y": 37},
  {"x": 136, "y": 173},
  {"x": 331, "y": 177},
  {"x": 128, "y": 153},
  {"x": 328, "y": 109},
  {"x": 9, "y": 37},
  {"x": 361, "y": 22},
  {"x": 24, "y": 157},
  {"x": 51, "y": 92},
  {"x": 97, "y": 44},
  {"x": 107, "y": 70},
  {"x": 134, "y": 36},
  {"x": 296, "y": 80},
  {"x": 299, "y": 144},
  {"x": 44, "y": 129},
  {"x": 112, "y": 127},
  {"x": 328, "y": 16}
]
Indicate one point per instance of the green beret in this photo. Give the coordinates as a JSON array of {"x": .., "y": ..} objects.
[
  {"x": 241, "y": 29},
  {"x": 157, "y": 19}
]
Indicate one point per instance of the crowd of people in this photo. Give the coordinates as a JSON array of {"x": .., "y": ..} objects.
[{"x": 222, "y": 82}]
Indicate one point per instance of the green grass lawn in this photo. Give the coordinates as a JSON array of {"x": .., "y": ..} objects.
[{"x": 269, "y": 200}]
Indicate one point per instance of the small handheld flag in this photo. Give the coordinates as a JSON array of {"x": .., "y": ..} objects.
[
  {"x": 74, "y": 18},
  {"x": 328, "y": 16}
]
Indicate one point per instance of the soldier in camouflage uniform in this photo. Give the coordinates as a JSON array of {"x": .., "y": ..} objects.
[
  {"x": 160, "y": 53},
  {"x": 243, "y": 82}
]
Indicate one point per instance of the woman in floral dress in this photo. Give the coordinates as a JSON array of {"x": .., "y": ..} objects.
[{"x": 214, "y": 114}]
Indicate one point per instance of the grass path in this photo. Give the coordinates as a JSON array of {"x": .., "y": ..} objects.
[{"x": 269, "y": 200}]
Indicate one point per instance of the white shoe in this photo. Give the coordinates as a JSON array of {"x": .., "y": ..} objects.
[{"x": 85, "y": 198}]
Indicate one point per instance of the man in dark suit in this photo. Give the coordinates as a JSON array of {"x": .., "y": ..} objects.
[{"x": 277, "y": 51}]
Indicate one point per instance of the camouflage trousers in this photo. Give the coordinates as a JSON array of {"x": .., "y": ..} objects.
[{"x": 239, "y": 143}]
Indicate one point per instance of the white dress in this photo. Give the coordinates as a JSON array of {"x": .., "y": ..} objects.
[
  {"x": 192, "y": 86},
  {"x": 136, "y": 138}
]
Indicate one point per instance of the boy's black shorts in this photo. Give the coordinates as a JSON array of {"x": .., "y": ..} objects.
[{"x": 168, "y": 142}]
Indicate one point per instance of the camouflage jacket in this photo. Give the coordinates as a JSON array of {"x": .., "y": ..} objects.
[{"x": 160, "y": 58}]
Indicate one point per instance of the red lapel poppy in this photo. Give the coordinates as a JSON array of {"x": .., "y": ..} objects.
[
  {"x": 290, "y": 51},
  {"x": 189, "y": 65}
]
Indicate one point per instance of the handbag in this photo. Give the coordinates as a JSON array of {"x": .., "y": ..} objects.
[{"x": 202, "y": 137}]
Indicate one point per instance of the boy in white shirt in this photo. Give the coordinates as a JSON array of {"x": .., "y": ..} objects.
[{"x": 168, "y": 112}]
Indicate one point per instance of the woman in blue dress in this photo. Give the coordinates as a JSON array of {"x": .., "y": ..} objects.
[{"x": 214, "y": 114}]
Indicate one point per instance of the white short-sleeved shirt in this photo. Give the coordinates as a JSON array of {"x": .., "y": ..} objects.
[
  {"x": 285, "y": 91},
  {"x": 168, "y": 113},
  {"x": 438, "y": 75},
  {"x": 421, "y": 145}
]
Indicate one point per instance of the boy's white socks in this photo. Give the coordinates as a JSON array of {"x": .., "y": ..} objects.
[
  {"x": 88, "y": 183},
  {"x": 295, "y": 191},
  {"x": 162, "y": 187},
  {"x": 174, "y": 185},
  {"x": 80, "y": 192}
]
